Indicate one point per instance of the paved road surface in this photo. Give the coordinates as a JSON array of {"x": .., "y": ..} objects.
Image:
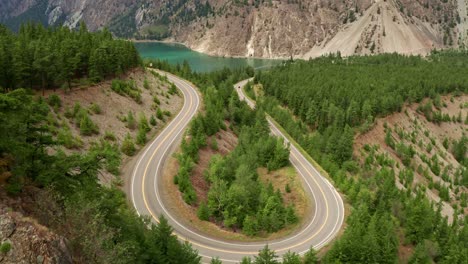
[{"x": 146, "y": 190}]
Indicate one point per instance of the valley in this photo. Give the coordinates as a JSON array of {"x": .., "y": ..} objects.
[{"x": 244, "y": 131}]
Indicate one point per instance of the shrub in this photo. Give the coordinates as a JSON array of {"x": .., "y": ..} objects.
[
  {"x": 214, "y": 144},
  {"x": 76, "y": 109},
  {"x": 159, "y": 114},
  {"x": 156, "y": 100},
  {"x": 54, "y": 101},
  {"x": 143, "y": 123},
  {"x": 65, "y": 138},
  {"x": 203, "y": 212},
  {"x": 110, "y": 136},
  {"x": 146, "y": 84},
  {"x": 128, "y": 147},
  {"x": 153, "y": 121},
  {"x": 131, "y": 124},
  {"x": 141, "y": 137},
  {"x": 87, "y": 127},
  {"x": 5, "y": 247},
  {"x": 127, "y": 88},
  {"x": 173, "y": 90},
  {"x": 111, "y": 154},
  {"x": 95, "y": 108},
  {"x": 250, "y": 226},
  {"x": 68, "y": 113}
]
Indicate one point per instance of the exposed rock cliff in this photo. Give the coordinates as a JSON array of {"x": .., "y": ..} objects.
[{"x": 259, "y": 28}]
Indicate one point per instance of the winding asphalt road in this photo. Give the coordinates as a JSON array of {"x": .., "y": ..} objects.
[{"x": 328, "y": 209}]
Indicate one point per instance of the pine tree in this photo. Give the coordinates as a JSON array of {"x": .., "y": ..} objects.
[
  {"x": 246, "y": 260},
  {"x": 87, "y": 127},
  {"x": 143, "y": 123},
  {"x": 128, "y": 147},
  {"x": 203, "y": 212},
  {"x": 141, "y": 137},
  {"x": 310, "y": 257},
  {"x": 291, "y": 258},
  {"x": 266, "y": 256},
  {"x": 250, "y": 226},
  {"x": 153, "y": 121},
  {"x": 70, "y": 60},
  {"x": 216, "y": 261},
  {"x": 131, "y": 123},
  {"x": 159, "y": 114}
]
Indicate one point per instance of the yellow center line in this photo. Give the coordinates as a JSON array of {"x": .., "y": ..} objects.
[{"x": 216, "y": 249}]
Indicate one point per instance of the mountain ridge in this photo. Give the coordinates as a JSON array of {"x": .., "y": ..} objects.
[{"x": 265, "y": 29}]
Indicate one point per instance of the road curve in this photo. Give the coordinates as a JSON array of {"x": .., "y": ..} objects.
[{"x": 146, "y": 188}]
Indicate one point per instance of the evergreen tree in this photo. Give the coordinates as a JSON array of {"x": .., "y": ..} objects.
[
  {"x": 246, "y": 260},
  {"x": 266, "y": 256},
  {"x": 128, "y": 147},
  {"x": 87, "y": 127},
  {"x": 310, "y": 257},
  {"x": 141, "y": 137},
  {"x": 153, "y": 121},
  {"x": 203, "y": 212},
  {"x": 291, "y": 258},
  {"x": 216, "y": 261},
  {"x": 143, "y": 123},
  {"x": 131, "y": 123}
]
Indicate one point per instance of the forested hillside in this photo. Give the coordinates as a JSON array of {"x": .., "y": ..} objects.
[
  {"x": 324, "y": 102},
  {"x": 40, "y": 58},
  {"x": 427, "y": 142},
  {"x": 60, "y": 188}
]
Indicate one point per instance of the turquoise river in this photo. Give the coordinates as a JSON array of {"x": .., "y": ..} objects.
[{"x": 177, "y": 53}]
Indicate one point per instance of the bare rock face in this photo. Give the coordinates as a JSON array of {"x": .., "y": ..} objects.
[
  {"x": 313, "y": 28},
  {"x": 269, "y": 29},
  {"x": 29, "y": 242}
]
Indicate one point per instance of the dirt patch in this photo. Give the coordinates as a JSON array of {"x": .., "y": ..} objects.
[
  {"x": 226, "y": 142},
  {"x": 282, "y": 178},
  {"x": 428, "y": 140},
  {"x": 404, "y": 251}
]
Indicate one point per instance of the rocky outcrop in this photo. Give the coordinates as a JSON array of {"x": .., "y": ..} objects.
[{"x": 25, "y": 241}]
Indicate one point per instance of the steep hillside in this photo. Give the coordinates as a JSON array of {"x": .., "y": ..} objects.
[
  {"x": 268, "y": 29},
  {"x": 427, "y": 144},
  {"x": 117, "y": 117}
]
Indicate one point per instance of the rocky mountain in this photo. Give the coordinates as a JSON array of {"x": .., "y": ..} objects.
[{"x": 263, "y": 28}]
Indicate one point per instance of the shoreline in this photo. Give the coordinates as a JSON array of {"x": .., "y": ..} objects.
[
  {"x": 207, "y": 54},
  {"x": 158, "y": 41}
]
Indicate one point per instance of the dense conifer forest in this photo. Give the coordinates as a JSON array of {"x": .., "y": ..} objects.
[
  {"x": 44, "y": 58},
  {"x": 323, "y": 103}
]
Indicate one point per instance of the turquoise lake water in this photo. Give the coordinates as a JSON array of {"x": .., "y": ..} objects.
[{"x": 176, "y": 53}]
